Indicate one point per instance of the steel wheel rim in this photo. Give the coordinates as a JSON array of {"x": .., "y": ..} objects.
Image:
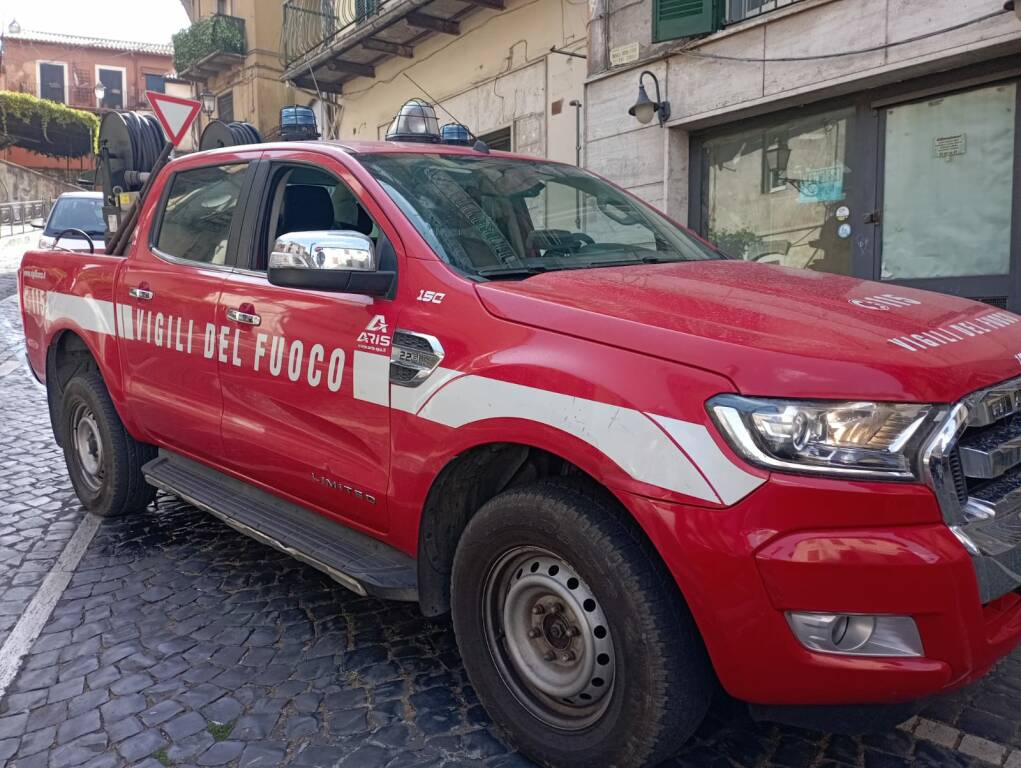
[
  {"x": 550, "y": 640},
  {"x": 88, "y": 446}
]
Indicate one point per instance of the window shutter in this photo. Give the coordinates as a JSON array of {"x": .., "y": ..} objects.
[{"x": 683, "y": 18}]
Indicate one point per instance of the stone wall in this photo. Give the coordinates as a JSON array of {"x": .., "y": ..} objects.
[
  {"x": 653, "y": 162},
  {"x": 19, "y": 184}
]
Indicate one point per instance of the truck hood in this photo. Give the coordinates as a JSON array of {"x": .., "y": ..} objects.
[{"x": 777, "y": 332}]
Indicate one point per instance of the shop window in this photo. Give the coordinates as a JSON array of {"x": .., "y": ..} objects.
[
  {"x": 948, "y": 186},
  {"x": 778, "y": 194}
]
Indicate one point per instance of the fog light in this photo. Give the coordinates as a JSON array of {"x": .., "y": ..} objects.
[{"x": 856, "y": 634}]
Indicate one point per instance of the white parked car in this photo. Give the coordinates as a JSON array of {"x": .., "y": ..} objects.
[{"x": 73, "y": 210}]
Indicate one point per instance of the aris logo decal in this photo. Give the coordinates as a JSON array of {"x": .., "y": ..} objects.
[{"x": 376, "y": 336}]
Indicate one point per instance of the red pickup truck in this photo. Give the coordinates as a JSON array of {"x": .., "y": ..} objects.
[{"x": 631, "y": 468}]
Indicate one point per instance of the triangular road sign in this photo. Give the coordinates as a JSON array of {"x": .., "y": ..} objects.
[{"x": 175, "y": 114}]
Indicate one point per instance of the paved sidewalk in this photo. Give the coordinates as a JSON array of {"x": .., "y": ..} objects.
[
  {"x": 38, "y": 513},
  {"x": 180, "y": 642}
]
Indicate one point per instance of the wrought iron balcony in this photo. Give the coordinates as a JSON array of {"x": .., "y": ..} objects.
[
  {"x": 327, "y": 42},
  {"x": 208, "y": 46},
  {"x": 739, "y": 10}
]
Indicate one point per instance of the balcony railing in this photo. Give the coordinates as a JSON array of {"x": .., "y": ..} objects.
[
  {"x": 207, "y": 37},
  {"x": 310, "y": 24},
  {"x": 739, "y": 10}
]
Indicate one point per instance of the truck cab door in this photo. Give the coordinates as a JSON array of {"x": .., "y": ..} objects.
[
  {"x": 166, "y": 300},
  {"x": 305, "y": 378}
]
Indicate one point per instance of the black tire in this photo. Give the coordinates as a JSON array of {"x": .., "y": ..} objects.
[
  {"x": 116, "y": 485},
  {"x": 662, "y": 680}
]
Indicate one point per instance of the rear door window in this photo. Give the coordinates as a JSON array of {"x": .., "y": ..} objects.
[{"x": 198, "y": 213}]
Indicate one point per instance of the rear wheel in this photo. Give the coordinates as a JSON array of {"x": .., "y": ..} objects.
[
  {"x": 103, "y": 460},
  {"x": 573, "y": 633}
]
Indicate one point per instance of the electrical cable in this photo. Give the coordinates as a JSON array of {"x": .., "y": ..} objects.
[{"x": 838, "y": 54}]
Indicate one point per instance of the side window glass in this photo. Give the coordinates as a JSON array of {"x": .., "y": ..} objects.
[
  {"x": 306, "y": 199},
  {"x": 199, "y": 209}
]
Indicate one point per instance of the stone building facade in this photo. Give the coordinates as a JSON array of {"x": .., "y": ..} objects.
[{"x": 875, "y": 138}]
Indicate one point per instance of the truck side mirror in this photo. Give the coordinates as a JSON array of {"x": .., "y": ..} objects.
[
  {"x": 327, "y": 260},
  {"x": 36, "y": 223}
]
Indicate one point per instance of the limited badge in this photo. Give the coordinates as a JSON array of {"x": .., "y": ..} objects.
[
  {"x": 844, "y": 231},
  {"x": 843, "y": 213}
]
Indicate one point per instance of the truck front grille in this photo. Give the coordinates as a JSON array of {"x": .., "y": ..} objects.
[
  {"x": 986, "y": 465},
  {"x": 960, "y": 481},
  {"x": 978, "y": 483}
]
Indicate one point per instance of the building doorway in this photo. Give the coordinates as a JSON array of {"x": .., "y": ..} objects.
[
  {"x": 947, "y": 192},
  {"x": 916, "y": 184}
]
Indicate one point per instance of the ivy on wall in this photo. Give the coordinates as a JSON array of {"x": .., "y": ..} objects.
[
  {"x": 46, "y": 127},
  {"x": 210, "y": 35}
]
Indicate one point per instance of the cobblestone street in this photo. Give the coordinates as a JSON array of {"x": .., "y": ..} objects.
[{"x": 180, "y": 642}]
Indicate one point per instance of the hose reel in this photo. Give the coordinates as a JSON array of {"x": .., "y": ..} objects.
[
  {"x": 131, "y": 146},
  {"x": 218, "y": 134}
]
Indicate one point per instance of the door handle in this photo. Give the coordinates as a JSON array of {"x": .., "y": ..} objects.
[
  {"x": 141, "y": 293},
  {"x": 245, "y": 315}
]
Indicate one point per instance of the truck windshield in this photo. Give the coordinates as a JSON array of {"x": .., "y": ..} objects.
[
  {"x": 84, "y": 213},
  {"x": 502, "y": 218}
]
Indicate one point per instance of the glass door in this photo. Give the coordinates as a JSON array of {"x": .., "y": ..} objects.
[
  {"x": 947, "y": 193},
  {"x": 783, "y": 193}
]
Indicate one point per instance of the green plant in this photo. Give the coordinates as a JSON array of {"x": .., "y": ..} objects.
[
  {"x": 220, "y": 731},
  {"x": 162, "y": 756},
  {"x": 45, "y": 126},
  {"x": 210, "y": 35},
  {"x": 733, "y": 243}
]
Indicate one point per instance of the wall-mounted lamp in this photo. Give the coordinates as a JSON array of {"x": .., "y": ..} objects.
[
  {"x": 778, "y": 158},
  {"x": 208, "y": 103},
  {"x": 645, "y": 108}
]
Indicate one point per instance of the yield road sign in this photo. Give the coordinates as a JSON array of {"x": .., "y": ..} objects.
[{"x": 175, "y": 114}]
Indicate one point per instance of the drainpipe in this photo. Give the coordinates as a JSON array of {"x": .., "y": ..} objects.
[
  {"x": 598, "y": 37},
  {"x": 577, "y": 159}
]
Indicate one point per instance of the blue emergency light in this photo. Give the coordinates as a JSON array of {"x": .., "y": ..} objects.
[
  {"x": 457, "y": 134},
  {"x": 298, "y": 124}
]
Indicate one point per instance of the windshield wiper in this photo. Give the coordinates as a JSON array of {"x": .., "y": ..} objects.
[
  {"x": 630, "y": 262},
  {"x": 511, "y": 271}
]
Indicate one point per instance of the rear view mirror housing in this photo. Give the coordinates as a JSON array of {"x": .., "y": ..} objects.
[{"x": 328, "y": 260}]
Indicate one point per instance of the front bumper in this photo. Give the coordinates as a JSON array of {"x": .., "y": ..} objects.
[{"x": 809, "y": 544}]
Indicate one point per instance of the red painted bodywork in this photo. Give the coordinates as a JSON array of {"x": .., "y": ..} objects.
[{"x": 659, "y": 339}]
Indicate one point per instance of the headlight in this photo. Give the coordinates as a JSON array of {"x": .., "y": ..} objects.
[{"x": 866, "y": 440}]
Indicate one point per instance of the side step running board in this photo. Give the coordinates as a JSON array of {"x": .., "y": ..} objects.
[{"x": 359, "y": 562}]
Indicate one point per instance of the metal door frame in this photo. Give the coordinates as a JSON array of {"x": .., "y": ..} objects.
[
  {"x": 866, "y": 157},
  {"x": 985, "y": 287}
]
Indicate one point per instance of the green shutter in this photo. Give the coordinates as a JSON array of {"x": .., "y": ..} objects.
[{"x": 683, "y": 18}]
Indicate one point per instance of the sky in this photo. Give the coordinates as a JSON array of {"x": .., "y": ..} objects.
[{"x": 148, "y": 21}]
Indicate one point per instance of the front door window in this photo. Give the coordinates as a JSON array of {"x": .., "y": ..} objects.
[
  {"x": 51, "y": 82},
  {"x": 113, "y": 84},
  {"x": 949, "y": 186},
  {"x": 778, "y": 194}
]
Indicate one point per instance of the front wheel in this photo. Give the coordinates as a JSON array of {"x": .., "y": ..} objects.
[
  {"x": 103, "y": 460},
  {"x": 573, "y": 633}
]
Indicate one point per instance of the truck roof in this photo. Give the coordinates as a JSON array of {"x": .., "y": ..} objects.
[{"x": 353, "y": 147}]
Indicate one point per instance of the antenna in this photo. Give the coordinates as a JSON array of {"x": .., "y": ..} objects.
[
  {"x": 316, "y": 84},
  {"x": 480, "y": 145},
  {"x": 324, "y": 107}
]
